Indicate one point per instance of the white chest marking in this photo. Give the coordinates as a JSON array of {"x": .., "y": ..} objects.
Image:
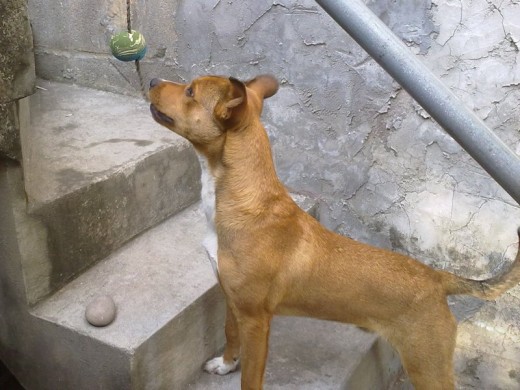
[{"x": 207, "y": 195}]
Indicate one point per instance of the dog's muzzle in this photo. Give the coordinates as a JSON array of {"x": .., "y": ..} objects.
[{"x": 159, "y": 116}]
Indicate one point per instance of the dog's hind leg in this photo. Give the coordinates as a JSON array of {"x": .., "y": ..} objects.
[
  {"x": 426, "y": 345},
  {"x": 254, "y": 336},
  {"x": 228, "y": 362}
]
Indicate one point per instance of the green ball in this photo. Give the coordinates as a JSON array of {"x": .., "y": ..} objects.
[{"x": 128, "y": 46}]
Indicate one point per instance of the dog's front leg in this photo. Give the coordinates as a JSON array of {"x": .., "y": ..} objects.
[
  {"x": 228, "y": 362},
  {"x": 254, "y": 335}
]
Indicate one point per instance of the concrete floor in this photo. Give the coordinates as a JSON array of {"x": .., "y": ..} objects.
[{"x": 309, "y": 354}]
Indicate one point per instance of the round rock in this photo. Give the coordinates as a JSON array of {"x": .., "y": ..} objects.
[{"x": 101, "y": 311}]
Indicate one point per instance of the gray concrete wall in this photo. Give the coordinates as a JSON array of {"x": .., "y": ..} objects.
[
  {"x": 16, "y": 73},
  {"x": 341, "y": 127}
]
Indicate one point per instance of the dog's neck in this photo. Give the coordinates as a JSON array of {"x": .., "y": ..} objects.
[
  {"x": 246, "y": 183},
  {"x": 238, "y": 174}
]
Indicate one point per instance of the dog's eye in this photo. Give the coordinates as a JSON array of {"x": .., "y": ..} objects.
[{"x": 189, "y": 92}]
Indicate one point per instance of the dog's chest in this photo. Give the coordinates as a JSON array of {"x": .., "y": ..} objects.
[{"x": 207, "y": 195}]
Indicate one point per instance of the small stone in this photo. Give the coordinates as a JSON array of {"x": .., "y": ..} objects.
[{"x": 101, "y": 311}]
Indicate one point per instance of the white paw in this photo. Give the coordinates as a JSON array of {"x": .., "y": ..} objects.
[{"x": 218, "y": 366}]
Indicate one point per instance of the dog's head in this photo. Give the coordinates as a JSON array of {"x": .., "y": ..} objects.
[{"x": 205, "y": 109}]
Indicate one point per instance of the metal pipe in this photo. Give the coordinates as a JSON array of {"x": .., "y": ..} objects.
[{"x": 449, "y": 112}]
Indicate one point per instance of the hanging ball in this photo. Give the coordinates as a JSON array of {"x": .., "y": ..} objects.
[{"x": 128, "y": 46}]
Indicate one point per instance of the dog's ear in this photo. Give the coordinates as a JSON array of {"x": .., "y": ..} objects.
[
  {"x": 264, "y": 85},
  {"x": 238, "y": 93},
  {"x": 231, "y": 106}
]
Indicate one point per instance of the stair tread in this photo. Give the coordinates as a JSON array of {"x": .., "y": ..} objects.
[
  {"x": 79, "y": 136},
  {"x": 152, "y": 279}
]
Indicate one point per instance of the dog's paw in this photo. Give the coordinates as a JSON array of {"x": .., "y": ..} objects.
[{"x": 219, "y": 367}]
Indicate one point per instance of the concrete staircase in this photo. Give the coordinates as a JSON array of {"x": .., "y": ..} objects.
[
  {"x": 97, "y": 173},
  {"x": 112, "y": 209}
]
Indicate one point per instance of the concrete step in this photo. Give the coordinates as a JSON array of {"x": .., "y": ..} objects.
[
  {"x": 170, "y": 313},
  {"x": 98, "y": 171},
  {"x": 309, "y": 354}
]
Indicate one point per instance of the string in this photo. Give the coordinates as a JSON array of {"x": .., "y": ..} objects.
[{"x": 137, "y": 65}]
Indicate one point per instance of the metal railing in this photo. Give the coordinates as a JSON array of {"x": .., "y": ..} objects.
[{"x": 463, "y": 125}]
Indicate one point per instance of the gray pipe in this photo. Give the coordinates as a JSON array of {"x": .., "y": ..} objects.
[{"x": 462, "y": 124}]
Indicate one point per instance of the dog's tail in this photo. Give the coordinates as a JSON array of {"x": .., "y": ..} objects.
[{"x": 486, "y": 289}]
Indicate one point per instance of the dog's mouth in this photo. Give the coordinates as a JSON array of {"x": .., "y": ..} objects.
[{"x": 159, "y": 116}]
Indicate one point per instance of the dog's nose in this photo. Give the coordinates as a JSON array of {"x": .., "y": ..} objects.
[{"x": 154, "y": 82}]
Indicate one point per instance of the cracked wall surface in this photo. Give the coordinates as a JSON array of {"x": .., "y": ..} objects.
[{"x": 341, "y": 128}]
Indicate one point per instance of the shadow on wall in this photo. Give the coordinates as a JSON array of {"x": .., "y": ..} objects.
[{"x": 7, "y": 380}]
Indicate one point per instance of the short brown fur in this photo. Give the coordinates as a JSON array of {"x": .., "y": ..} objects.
[{"x": 275, "y": 259}]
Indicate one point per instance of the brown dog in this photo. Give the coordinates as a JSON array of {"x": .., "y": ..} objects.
[{"x": 273, "y": 258}]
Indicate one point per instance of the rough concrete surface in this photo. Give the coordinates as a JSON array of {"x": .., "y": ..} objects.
[
  {"x": 488, "y": 346},
  {"x": 79, "y": 136},
  {"x": 98, "y": 170},
  {"x": 10, "y": 131},
  {"x": 17, "y": 73}
]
